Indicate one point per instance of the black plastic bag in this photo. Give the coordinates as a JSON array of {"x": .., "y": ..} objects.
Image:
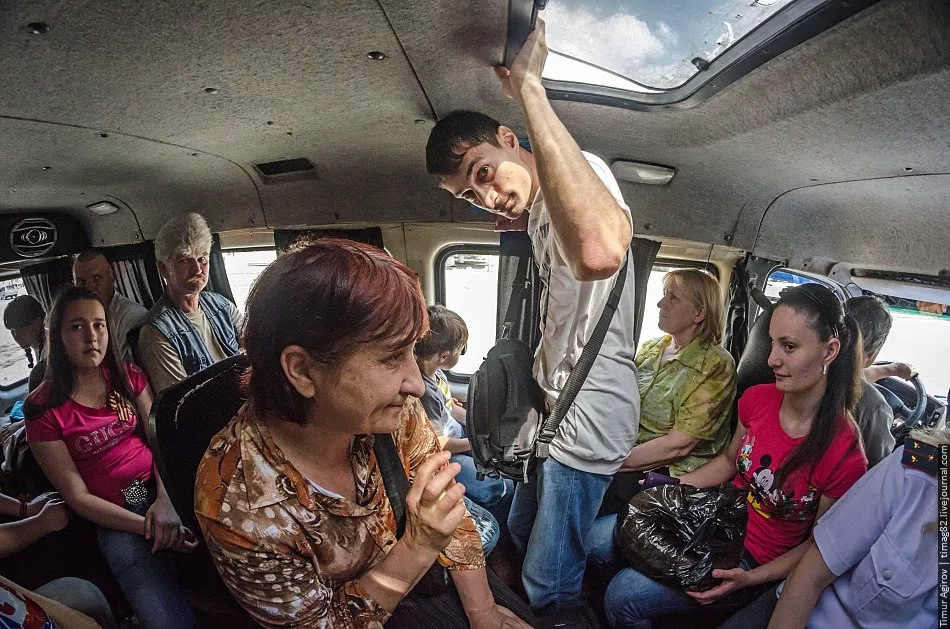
[{"x": 678, "y": 533}]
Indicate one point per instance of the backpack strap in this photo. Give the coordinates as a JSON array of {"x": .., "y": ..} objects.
[
  {"x": 520, "y": 293},
  {"x": 582, "y": 367}
]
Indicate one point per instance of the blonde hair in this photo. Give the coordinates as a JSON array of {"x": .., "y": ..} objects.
[{"x": 703, "y": 290}]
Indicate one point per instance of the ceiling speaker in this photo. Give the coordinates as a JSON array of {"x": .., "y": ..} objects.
[{"x": 32, "y": 237}]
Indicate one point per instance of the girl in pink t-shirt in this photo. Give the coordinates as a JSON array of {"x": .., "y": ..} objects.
[
  {"x": 796, "y": 449},
  {"x": 84, "y": 427}
]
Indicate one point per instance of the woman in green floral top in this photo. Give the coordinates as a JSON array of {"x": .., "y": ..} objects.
[{"x": 687, "y": 380}]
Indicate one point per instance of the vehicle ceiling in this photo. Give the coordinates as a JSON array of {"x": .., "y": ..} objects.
[{"x": 805, "y": 157}]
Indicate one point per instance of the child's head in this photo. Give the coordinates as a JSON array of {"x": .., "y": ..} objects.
[
  {"x": 447, "y": 337},
  {"x": 78, "y": 332}
]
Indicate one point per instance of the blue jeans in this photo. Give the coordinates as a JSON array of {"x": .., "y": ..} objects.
[
  {"x": 549, "y": 522},
  {"x": 600, "y": 540},
  {"x": 149, "y": 582},
  {"x": 491, "y": 493},
  {"x": 81, "y": 596},
  {"x": 633, "y": 600}
]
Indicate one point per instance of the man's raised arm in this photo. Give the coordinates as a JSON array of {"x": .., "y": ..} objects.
[{"x": 588, "y": 221}]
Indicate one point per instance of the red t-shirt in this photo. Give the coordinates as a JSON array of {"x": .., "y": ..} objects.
[
  {"x": 108, "y": 453},
  {"x": 780, "y": 518}
]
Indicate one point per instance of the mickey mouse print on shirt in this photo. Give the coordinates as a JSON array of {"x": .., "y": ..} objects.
[{"x": 766, "y": 498}]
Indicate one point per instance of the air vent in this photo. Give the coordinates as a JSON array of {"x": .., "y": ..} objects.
[
  {"x": 32, "y": 237},
  {"x": 300, "y": 165}
]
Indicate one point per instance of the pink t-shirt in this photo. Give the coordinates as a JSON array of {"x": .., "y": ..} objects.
[
  {"x": 781, "y": 518},
  {"x": 108, "y": 453}
]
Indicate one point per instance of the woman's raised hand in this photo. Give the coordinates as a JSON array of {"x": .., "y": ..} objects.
[{"x": 434, "y": 505}]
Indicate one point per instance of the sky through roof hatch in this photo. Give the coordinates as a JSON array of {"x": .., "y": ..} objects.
[{"x": 644, "y": 46}]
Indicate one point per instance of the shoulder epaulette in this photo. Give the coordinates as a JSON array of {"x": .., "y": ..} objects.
[{"x": 921, "y": 456}]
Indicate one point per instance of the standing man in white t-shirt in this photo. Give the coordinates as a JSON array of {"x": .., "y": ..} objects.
[
  {"x": 580, "y": 230},
  {"x": 93, "y": 271}
]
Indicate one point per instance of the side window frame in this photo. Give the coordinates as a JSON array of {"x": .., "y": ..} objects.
[
  {"x": 440, "y": 293},
  {"x": 12, "y": 387},
  {"x": 828, "y": 283},
  {"x": 680, "y": 263}
]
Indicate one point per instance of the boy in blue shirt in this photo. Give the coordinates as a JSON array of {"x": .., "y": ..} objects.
[{"x": 440, "y": 349}]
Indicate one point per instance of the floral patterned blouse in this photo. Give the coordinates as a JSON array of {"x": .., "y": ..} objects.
[{"x": 291, "y": 554}]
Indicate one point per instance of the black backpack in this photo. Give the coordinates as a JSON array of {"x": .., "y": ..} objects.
[
  {"x": 505, "y": 411},
  {"x": 505, "y": 420}
]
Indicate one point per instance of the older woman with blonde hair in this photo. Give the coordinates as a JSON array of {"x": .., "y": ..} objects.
[
  {"x": 687, "y": 385},
  {"x": 687, "y": 380}
]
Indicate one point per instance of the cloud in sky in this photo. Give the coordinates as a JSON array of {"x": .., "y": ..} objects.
[{"x": 618, "y": 41}]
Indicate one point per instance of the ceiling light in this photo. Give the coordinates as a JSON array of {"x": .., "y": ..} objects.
[
  {"x": 638, "y": 172},
  {"x": 376, "y": 55},
  {"x": 102, "y": 208}
]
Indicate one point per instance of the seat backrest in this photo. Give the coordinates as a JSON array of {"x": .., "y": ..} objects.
[
  {"x": 753, "y": 367},
  {"x": 184, "y": 418}
]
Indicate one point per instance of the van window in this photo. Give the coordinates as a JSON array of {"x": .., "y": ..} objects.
[
  {"x": 651, "y": 313},
  {"x": 921, "y": 339},
  {"x": 780, "y": 279},
  {"x": 243, "y": 266},
  {"x": 467, "y": 282},
  {"x": 13, "y": 365},
  {"x": 644, "y": 47}
]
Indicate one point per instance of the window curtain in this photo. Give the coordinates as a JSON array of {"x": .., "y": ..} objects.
[
  {"x": 136, "y": 272},
  {"x": 217, "y": 274},
  {"x": 737, "y": 317},
  {"x": 643, "y": 255},
  {"x": 44, "y": 280},
  {"x": 283, "y": 238}
]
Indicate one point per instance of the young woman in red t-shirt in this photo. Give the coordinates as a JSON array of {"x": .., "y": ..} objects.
[
  {"x": 84, "y": 427},
  {"x": 796, "y": 449}
]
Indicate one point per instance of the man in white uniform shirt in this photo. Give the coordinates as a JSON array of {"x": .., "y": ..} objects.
[
  {"x": 92, "y": 270},
  {"x": 580, "y": 230}
]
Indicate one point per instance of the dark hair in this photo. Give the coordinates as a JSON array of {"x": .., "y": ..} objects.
[
  {"x": 21, "y": 311},
  {"x": 873, "y": 319},
  {"x": 59, "y": 369},
  {"x": 828, "y": 319},
  {"x": 447, "y": 332},
  {"x": 455, "y": 134},
  {"x": 329, "y": 296}
]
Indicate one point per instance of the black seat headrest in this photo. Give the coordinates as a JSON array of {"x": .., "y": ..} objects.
[
  {"x": 753, "y": 367},
  {"x": 184, "y": 418}
]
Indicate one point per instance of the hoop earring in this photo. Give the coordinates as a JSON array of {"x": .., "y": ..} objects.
[{"x": 824, "y": 369}]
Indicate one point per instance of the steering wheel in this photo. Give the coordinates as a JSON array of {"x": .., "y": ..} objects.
[{"x": 911, "y": 416}]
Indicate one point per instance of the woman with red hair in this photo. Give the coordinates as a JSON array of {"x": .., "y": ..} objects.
[{"x": 289, "y": 495}]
